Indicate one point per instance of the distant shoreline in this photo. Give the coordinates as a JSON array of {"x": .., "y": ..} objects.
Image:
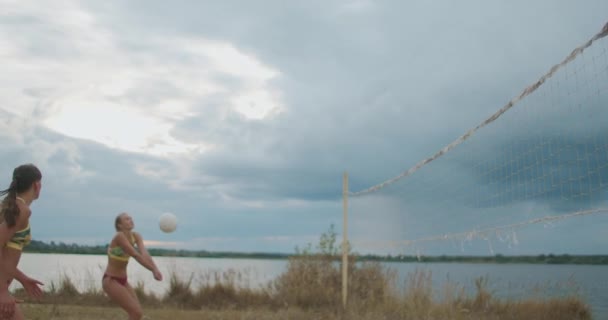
[{"x": 62, "y": 248}]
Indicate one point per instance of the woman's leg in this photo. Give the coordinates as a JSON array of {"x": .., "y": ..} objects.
[
  {"x": 18, "y": 313},
  {"x": 123, "y": 296},
  {"x": 132, "y": 292}
]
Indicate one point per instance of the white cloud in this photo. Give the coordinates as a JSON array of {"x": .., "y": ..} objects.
[
  {"x": 97, "y": 88},
  {"x": 14, "y": 129},
  {"x": 70, "y": 168},
  {"x": 116, "y": 126},
  {"x": 22, "y": 135}
]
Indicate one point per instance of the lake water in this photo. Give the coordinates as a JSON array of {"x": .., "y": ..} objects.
[{"x": 504, "y": 280}]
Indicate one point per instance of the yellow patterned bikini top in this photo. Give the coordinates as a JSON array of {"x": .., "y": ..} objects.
[
  {"x": 21, "y": 238},
  {"x": 118, "y": 253}
]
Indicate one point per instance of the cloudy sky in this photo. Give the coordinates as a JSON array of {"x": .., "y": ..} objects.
[{"x": 241, "y": 117}]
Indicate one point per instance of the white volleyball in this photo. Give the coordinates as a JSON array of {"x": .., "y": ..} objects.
[{"x": 167, "y": 222}]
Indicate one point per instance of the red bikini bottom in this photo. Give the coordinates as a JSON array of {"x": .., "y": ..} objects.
[{"x": 121, "y": 280}]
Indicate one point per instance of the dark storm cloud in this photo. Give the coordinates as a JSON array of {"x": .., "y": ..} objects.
[{"x": 369, "y": 88}]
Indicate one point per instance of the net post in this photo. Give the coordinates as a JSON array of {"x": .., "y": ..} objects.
[{"x": 345, "y": 239}]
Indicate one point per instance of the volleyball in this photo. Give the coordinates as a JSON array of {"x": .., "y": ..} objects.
[{"x": 167, "y": 222}]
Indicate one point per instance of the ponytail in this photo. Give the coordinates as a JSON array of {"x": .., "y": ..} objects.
[
  {"x": 10, "y": 209},
  {"x": 24, "y": 176}
]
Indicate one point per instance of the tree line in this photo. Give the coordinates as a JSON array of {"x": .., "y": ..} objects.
[{"x": 73, "y": 248}]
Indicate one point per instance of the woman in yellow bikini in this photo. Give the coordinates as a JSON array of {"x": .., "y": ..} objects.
[
  {"x": 15, "y": 233},
  {"x": 125, "y": 244}
]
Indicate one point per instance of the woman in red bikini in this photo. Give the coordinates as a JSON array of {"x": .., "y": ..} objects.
[
  {"x": 15, "y": 233},
  {"x": 125, "y": 244}
]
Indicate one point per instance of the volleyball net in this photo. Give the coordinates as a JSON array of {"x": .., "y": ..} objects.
[{"x": 540, "y": 160}]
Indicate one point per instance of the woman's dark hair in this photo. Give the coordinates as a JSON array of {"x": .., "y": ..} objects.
[{"x": 24, "y": 176}]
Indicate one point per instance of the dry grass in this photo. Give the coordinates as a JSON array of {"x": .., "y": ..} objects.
[
  {"x": 310, "y": 288},
  {"x": 71, "y": 312}
]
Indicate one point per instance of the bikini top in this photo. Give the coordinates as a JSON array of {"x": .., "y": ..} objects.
[
  {"x": 118, "y": 253},
  {"x": 21, "y": 238}
]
